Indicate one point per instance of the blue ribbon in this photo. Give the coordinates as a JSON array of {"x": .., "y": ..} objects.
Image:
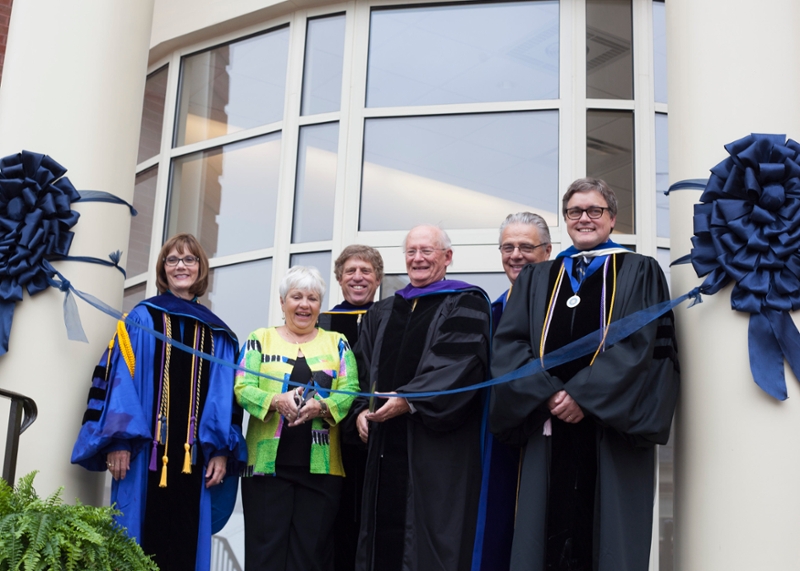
[
  {"x": 36, "y": 218},
  {"x": 102, "y": 196},
  {"x": 617, "y": 331},
  {"x": 747, "y": 230}
]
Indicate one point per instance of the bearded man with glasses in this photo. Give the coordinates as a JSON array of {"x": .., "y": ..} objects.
[{"x": 588, "y": 428}]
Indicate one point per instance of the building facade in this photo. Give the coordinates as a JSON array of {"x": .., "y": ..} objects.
[{"x": 279, "y": 132}]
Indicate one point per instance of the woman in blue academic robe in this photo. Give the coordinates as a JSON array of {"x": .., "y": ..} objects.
[{"x": 164, "y": 421}]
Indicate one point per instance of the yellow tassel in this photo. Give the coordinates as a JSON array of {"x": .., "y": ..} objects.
[
  {"x": 164, "y": 461},
  {"x": 125, "y": 346},
  {"x": 187, "y": 459}
]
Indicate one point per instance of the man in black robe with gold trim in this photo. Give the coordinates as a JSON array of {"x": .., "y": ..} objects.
[
  {"x": 359, "y": 271},
  {"x": 589, "y": 427},
  {"x": 423, "y": 469}
]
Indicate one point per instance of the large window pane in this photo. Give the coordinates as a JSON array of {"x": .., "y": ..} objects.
[
  {"x": 493, "y": 283},
  {"x": 430, "y": 55},
  {"x": 321, "y": 261},
  {"x": 609, "y": 156},
  {"x": 132, "y": 296},
  {"x": 459, "y": 171},
  {"x": 233, "y": 87},
  {"x": 144, "y": 200},
  {"x": 662, "y": 175},
  {"x": 609, "y": 57},
  {"x": 660, "y": 51},
  {"x": 240, "y": 296},
  {"x": 227, "y": 196},
  {"x": 155, "y": 92},
  {"x": 316, "y": 183},
  {"x": 322, "y": 73}
]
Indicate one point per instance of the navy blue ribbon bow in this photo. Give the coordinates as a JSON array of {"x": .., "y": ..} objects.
[
  {"x": 36, "y": 218},
  {"x": 747, "y": 229}
]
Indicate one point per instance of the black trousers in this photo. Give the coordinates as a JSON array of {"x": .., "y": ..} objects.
[{"x": 288, "y": 520}]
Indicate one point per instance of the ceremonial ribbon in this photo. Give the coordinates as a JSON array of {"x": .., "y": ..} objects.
[
  {"x": 617, "y": 331},
  {"x": 747, "y": 230}
]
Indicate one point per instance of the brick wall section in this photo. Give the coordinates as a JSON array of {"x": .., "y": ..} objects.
[{"x": 5, "y": 15}]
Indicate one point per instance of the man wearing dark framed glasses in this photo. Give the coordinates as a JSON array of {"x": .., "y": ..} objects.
[
  {"x": 588, "y": 427},
  {"x": 524, "y": 239}
]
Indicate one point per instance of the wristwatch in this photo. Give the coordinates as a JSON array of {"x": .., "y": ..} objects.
[{"x": 323, "y": 408}]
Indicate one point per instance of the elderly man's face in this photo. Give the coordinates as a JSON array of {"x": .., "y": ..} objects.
[
  {"x": 588, "y": 233},
  {"x": 526, "y": 247},
  {"x": 359, "y": 281},
  {"x": 426, "y": 260}
]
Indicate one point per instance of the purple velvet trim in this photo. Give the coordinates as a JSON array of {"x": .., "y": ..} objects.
[{"x": 443, "y": 286}]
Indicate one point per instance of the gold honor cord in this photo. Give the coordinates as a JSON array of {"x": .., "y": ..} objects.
[
  {"x": 611, "y": 312},
  {"x": 165, "y": 403},
  {"x": 551, "y": 308}
]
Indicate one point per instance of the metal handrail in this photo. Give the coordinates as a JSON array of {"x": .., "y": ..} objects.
[
  {"x": 222, "y": 556},
  {"x": 22, "y": 414}
]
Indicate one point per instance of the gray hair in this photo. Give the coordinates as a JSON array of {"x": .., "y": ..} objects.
[
  {"x": 588, "y": 185},
  {"x": 444, "y": 239},
  {"x": 303, "y": 278},
  {"x": 529, "y": 219}
]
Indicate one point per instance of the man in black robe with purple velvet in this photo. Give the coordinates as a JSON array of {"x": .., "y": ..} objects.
[
  {"x": 424, "y": 468},
  {"x": 589, "y": 427}
]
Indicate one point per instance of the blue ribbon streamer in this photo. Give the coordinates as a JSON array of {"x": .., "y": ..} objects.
[
  {"x": 688, "y": 184},
  {"x": 102, "y": 196},
  {"x": 618, "y": 331}
]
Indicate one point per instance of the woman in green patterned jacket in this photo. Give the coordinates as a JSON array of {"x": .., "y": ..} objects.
[{"x": 294, "y": 475}]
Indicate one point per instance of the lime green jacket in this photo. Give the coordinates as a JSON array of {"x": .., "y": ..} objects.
[{"x": 267, "y": 352}]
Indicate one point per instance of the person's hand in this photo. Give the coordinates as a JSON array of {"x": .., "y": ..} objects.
[
  {"x": 362, "y": 424},
  {"x": 391, "y": 408},
  {"x": 215, "y": 472},
  {"x": 309, "y": 410},
  {"x": 118, "y": 462},
  {"x": 564, "y": 407},
  {"x": 285, "y": 405}
]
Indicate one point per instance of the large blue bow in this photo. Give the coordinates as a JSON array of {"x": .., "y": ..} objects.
[
  {"x": 747, "y": 229},
  {"x": 35, "y": 221}
]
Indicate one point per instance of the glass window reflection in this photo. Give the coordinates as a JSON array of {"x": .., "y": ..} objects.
[
  {"x": 609, "y": 54},
  {"x": 233, "y": 87},
  {"x": 316, "y": 182},
  {"x": 662, "y": 175},
  {"x": 132, "y": 296},
  {"x": 240, "y": 296},
  {"x": 144, "y": 200},
  {"x": 321, "y": 261},
  {"x": 609, "y": 156},
  {"x": 155, "y": 93},
  {"x": 460, "y": 171},
  {"x": 322, "y": 72},
  {"x": 660, "y": 51},
  {"x": 499, "y": 51},
  {"x": 227, "y": 196}
]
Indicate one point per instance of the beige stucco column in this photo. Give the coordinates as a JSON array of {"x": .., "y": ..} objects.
[
  {"x": 72, "y": 88},
  {"x": 734, "y": 68}
]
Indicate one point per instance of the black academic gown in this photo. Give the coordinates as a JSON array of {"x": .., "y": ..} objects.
[
  {"x": 345, "y": 318},
  {"x": 629, "y": 394},
  {"x": 439, "y": 442}
]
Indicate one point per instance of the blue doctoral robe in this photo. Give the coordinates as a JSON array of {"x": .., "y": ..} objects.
[
  {"x": 119, "y": 416},
  {"x": 500, "y": 463}
]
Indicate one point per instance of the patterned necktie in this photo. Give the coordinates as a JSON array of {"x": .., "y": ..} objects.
[{"x": 580, "y": 268}]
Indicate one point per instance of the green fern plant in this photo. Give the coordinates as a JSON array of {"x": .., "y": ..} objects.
[{"x": 46, "y": 534}]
